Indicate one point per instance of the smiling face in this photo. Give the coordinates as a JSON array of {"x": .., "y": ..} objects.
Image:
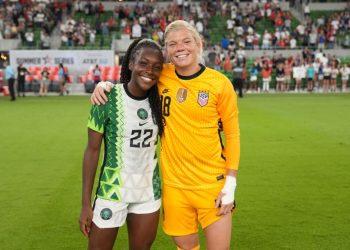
[
  {"x": 182, "y": 48},
  {"x": 146, "y": 68}
]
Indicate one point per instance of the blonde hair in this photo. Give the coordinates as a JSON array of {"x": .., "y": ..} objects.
[{"x": 180, "y": 25}]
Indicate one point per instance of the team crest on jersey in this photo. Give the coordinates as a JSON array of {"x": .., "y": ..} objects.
[
  {"x": 142, "y": 114},
  {"x": 203, "y": 98},
  {"x": 181, "y": 95},
  {"x": 106, "y": 214}
]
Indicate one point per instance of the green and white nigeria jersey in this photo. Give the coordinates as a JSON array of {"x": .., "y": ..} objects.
[{"x": 130, "y": 172}]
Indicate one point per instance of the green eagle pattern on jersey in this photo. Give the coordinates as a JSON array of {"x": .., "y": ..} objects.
[
  {"x": 128, "y": 174},
  {"x": 110, "y": 180}
]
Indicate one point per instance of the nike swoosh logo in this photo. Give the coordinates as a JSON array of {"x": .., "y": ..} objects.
[{"x": 141, "y": 124}]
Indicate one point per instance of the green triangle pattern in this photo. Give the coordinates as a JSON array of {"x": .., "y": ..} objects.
[
  {"x": 111, "y": 181},
  {"x": 97, "y": 116},
  {"x": 156, "y": 183}
]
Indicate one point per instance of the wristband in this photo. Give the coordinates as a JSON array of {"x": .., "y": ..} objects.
[
  {"x": 104, "y": 85},
  {"x": 229, "y": 190}
]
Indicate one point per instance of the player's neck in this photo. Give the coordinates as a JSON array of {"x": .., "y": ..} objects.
[
  {"x": 189, "y": 70},
  {"x": 135, "y": 91}
]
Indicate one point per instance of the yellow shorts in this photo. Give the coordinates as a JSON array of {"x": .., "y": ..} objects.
[{"x": 183, "y": 209}]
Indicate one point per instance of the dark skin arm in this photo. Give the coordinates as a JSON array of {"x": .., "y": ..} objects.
[{"x": 90, "y": 162}]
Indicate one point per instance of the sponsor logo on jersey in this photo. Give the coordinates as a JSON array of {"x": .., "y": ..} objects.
[
  {"x": 165, "y": 91},
  {"x": 142, "y": 123},
  {"x": 181, "y": 95},
  {"x": 203, "y": 98},
  {"x": 142, "y": 114},
  {"x": 106, "y": 214}
]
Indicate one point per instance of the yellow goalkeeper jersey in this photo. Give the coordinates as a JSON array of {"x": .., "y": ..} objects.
[{"x": 192, "y": 153}]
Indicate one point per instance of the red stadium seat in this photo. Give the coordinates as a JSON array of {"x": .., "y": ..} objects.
[
  {"x": 29, "y": 78},
  {"x": 37, "y": 77},
  {"x": 107, "y": 68},
  {"x": 83, "y": 79},
  {"x": 54, "y": 78},
  {"x": 90, "y": 77},
  {"x": 31, "y": 69},
  {"x": 53, "y": 69}
]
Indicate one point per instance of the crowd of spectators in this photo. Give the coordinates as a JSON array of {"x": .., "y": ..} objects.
[
  {"x": 312, "y": 70},
  {"x": 80, "y": 32},
  {"x": 242, "y": 27},
  {"x": 21, "y": 19},
  {"x": 259, "y": 24},
  {"x": 145, "y": 19}
]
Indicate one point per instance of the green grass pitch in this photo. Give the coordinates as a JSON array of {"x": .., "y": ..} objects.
[{"x": 293, "y": 186}]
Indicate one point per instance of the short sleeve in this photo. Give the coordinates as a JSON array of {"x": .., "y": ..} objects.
[{"x": 97, "y": 118}]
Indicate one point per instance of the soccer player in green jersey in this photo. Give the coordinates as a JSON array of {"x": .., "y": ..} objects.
[{"x": 129, "y": 183}]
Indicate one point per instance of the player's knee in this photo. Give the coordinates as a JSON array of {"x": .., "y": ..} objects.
[
  {"x": 144, "y": 244},
  {"x": 187, "y": 242}
]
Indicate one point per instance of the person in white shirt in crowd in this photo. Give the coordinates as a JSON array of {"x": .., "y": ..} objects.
[
  {"x": 298, "y": 75},
  {"x": 327, "y": 70},
  {"x": 191, "y": 21},
  {"x": 300, "y": 30},
  {"x": 180, "y": 3},
  {"x": 293, "y": 43},
  {"x": 239, "y": 30},
  {"x": 335, "y": 24},
  {"x": 250, "y": 39},
  {"x": 45, "y": 40},
  {"x": 306, "y": 10},
  {"x": 266, "y": 40},
  {"x": 285, "y": 34},
  {"x": 230, "y": 24},
  {"x": 92, "y": 36},
  {"x": 268, "y": 12},
  {"x": 345, "y": 72},
  {"x": 200, "y": 27},
  {"x": 278, "y": 34},
  {"x": 136, "y": 31},
  {"x": 313, "y": 38},
  {"x": 334, "y": 75},
  {"x": 29, "y": 35}
]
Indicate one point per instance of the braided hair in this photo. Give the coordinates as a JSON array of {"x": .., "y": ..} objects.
[{"x": 125, "y": 76}]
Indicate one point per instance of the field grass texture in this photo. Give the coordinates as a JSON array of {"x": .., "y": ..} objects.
[{"x": 293, "y": 185}]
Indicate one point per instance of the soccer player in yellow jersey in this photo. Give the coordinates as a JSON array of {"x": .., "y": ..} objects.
[{"x": 198, "y": 173}]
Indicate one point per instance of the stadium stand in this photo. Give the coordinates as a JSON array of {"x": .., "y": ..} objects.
[
  {"x": 30, "y": 21},
  {"x": 108, "y": 73},
  {"x": 232, "y": 32},
  {"x": 34, "y": 77}
]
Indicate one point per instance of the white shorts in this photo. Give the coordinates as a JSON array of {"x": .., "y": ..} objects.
[
  {"x": 280, "y": 79},
  {"x": 111, "y": 214},
  {"x": 267, "y": 79},
  {"x": 253, "y": 78}
]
